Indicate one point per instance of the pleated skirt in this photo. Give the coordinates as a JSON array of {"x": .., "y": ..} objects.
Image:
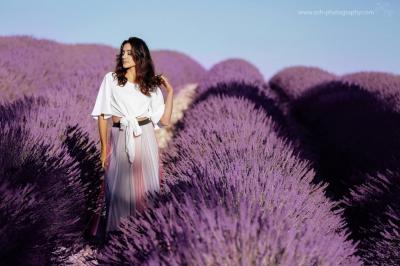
[{"x": 126, "y": 184}]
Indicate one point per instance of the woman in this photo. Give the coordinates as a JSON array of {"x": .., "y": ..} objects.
[{"x": 132, "y": 98}]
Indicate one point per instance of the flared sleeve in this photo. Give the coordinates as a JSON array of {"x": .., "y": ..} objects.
[
  {"x": 103, "y": 99},
  {"x": 157, "y": 107}
]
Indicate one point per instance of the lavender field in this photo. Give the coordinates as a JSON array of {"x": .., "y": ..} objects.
[{"x": 300, "y": 169}]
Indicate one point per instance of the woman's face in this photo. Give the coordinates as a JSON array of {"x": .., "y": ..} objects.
[{"x": 127, "y": 59}]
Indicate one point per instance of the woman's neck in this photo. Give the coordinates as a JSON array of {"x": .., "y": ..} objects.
[{"x": 131, "y": 74}]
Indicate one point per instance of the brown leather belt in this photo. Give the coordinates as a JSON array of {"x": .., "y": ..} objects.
[{"x": 141, "y": 123}]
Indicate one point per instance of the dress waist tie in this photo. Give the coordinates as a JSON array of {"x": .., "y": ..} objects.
[{"x": 131, "y": 127}]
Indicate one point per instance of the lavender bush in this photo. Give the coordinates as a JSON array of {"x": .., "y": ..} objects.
[
  {"x": 262, "y": 100},
  {"x": 292, "y": 82},
  {"x": 385, "y": 86},
  {"x": 70, "y": 88},
  {"x": 351, "y": 132},
  {"x": 35, "y": 64},
  {"x": 373, "y": 211},
  {"x": 252, "y": 92},
  {"x": 289, "y": 84},
  {"x": 49, "y": 180},
  {"x": 231, "y": 70},
  {"x": 180, "y": 69}
]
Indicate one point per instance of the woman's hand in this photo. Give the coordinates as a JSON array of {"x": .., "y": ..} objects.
[
  {"x": 166, "y": 83},
  {"x": 103, "y": 157}
]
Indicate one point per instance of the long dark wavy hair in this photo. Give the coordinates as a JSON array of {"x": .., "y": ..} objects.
[{"x": 145, "y": 73}]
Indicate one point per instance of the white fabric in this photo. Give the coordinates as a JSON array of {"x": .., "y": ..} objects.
[{"x": 128, "y": 102}]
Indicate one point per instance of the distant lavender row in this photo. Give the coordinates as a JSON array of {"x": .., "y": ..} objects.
[
  {"x": 28, "y": 65},
  {"x": 352, "y": 131},
  {"x": 181, "y": 69},
  {"x": 385, "y": 86},
  {"x": 236, "y": 182},
  {"x": 231, "y": 70},
  {"x": 292, "y": 82}
]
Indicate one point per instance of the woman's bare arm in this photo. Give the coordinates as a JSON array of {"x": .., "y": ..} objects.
[
  {"x": 166, "y": 118},
  {"x": 102, "y": 131}
]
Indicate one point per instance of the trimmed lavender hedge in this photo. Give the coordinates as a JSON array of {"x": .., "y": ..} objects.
[
  {"x": 351, "y": 132},
  {"x": 289, "y": 84},
  {"x": 373, "y": 214},
  {"x": 231, "y": 70},
  {"x": 39, "y": 71},
  {"x": 235, "y": 180},
  {"x": 292, "y": 82},
  {"x": 59, "y": 192},
  {"x": 180, "y": 69},
  {"x": 70, "y": 88},
  {"x": 78, "y": 66},
  {"x": 263, "y": 100},
  {"x": 385, "y": 86},
  {"x": 37, "y": 163},
  {"x": 251, "y": 92},
  {"x": 46, "y": 123}
]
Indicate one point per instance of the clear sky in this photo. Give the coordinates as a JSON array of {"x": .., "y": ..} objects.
[{"x": 340, "y": 36}]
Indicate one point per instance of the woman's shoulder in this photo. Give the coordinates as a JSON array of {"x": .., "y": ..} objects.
[
  {"x": 111, "y": 78},
  {"x": 156, "y": 90},
  {"x": 109, "y": 75}
]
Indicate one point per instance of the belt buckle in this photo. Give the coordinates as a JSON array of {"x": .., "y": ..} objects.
[{"x": 144, "y": 121}]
